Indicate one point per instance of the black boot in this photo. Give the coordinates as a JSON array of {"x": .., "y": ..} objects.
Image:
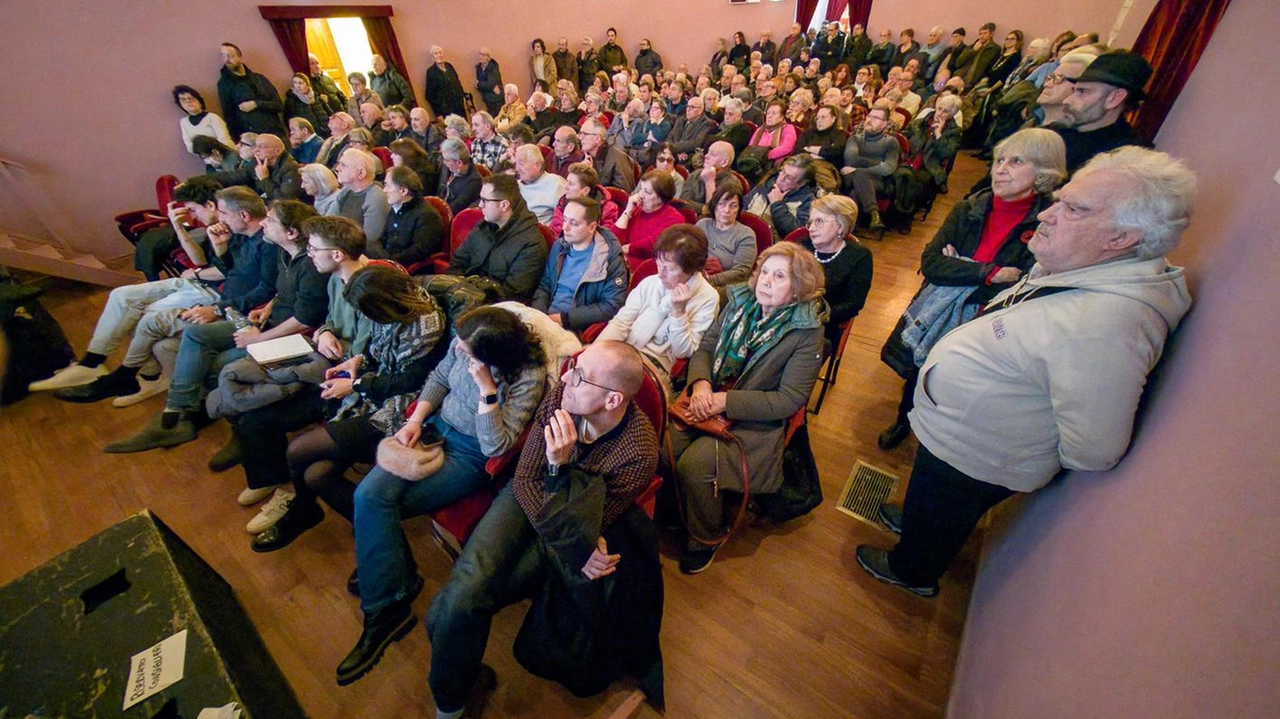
[
  {"x": 893, "y": 435},
  {"x": 120, "y": 382},
  {"x": 876, "y": 223},
  {"x": 384, "y": 627}
]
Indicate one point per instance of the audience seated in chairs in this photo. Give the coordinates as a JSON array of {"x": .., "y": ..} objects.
[
  {"x": 610, "y": 442},
  {"x": 846, "y": 263},
  {"x": 460, "y": 181},
  {"x": 667, "y": 313},
  {"x": 395, "y": 329},
  {"x": 755, "y": 366},
  {"x": 613, "y": 165},
  {"x": 586, "y": 277},
  {"x": 408, "y": 153},
  {"x": 216, "y": 156},
  {"x": 340, "y": 125},
  {"x": 784, "y": 198},
  {"x": 485, "y": 390},
  {"x": 717, "y": 170},
  {"x": 934, "y": 140},
  {"x": 321, "y": 185},
  {"x": 147, "y": 313},
  {"x": 541, "y": 190},
  {"x": 582, "y": 181},
  {"x": 299, "y": 303},
  {"x": 647, "y": 214},
  {"x": 981, "y": 248},
  {"x": 304, "y": 143},
  {"x": 507, "y": 248},
  {"x": 731, "y": 243},
  {"x": 870, "y": 158},
  {"x": 361, "y": 199},
  {"x": 415, "y": 231},
  {"x": 273, "y": 174},
  {"x": 665, "y": 161}
]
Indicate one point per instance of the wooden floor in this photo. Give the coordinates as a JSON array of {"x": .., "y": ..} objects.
[{"x": 784, "y": 624}]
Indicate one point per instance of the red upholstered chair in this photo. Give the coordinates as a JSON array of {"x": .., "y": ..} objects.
[
  {"x": 428, "y": 265},
  {"x": 653, "y": 402},
  {"x": 459, "y": 228},
  {"x": 689, "y": 214},
  {"x": 684, "y": 172},
  {"x": 617, "y": 196},
  {"x": 751, "y": 128},
  {"x": 132, "y": 224},
  {"x": 742, "y": 181},
  {"x": 546, "y": 153},
  {"x": 904, "y": 113},
  {"x": 798, "y": 234},
  {"x": 647, "y": 268},
  {"x": 635, "y": 168},
  {"x": 484, "y": 171},
  {"x": 548, "y": 234},
  {"x": 764, "y": 233},
  {"x": 383, "y": 154}
]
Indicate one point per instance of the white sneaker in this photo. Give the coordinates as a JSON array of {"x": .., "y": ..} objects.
[
  {"x": 73, "y": 376},
  {"x": 272, "y": 511},
  {"x": 147, "y": 388},
  {"x": 250, "y": 497}
]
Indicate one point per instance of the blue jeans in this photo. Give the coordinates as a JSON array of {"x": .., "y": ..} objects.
[
  {"x": 204, "y": 348},
  {"x": 383, "y": 500},
  {"x": 499, "y": 566}
]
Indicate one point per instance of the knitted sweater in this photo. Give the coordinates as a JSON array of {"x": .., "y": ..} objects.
[{"x": 453, "y": 392}]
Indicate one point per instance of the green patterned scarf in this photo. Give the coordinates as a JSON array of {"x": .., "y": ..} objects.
[{"x": 745, "y": 332}]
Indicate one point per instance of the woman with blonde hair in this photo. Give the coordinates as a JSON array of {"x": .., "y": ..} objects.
[{"x": 755, "y": 367}]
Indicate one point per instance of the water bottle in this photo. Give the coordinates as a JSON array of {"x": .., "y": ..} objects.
[{"x": 236, "y": 318}]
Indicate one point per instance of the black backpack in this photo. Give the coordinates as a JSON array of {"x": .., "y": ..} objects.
[{"x": 36, "y": 343}]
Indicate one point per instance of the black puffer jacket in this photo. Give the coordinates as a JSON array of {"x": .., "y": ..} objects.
[{"x": 512, "y": 255}]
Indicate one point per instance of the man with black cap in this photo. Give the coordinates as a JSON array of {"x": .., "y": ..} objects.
[{"x": 1093, "y": 120}]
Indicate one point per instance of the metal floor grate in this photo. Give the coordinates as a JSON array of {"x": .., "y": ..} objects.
[{"x": 866, "y": 489}]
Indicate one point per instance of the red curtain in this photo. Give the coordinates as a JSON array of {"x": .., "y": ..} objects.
[
  {"x": 804, "y": 12},
  {"x": 859, "y": 12},
  {"x": 292, "y": 34},
  {"x": 1172, "y": 40},
  {"x": 383, "y": 40},
  {"x": 835, "y": 8}
]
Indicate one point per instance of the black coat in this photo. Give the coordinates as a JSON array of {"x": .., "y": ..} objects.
[
  {"x": 611, "y": 55},
  {"x": 740, "y": 57},
  {"x": 413, "y": 233},
  {"x": 489, "y": 76},
  {"x": 234, "y": 89},
  {"x": 315, "y": 113},
  {"x": 460, "y": 191},
  {"x": 831, "y": 140},
  {"x": 588, "y": 66},
  {"x": 512, "y": 255},
  {"x": 444, "y": 91}
]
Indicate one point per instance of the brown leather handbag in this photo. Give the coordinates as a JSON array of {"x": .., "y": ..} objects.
[{"x": 721, "y": 428}]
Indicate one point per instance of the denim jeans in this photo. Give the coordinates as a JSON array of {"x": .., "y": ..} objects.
[
  {"x": 383, "y": 500},
  {"x": 205, "y": 348},
  {"x": 499, "y": 566}
]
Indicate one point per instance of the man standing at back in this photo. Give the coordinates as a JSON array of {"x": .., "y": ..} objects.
[
  {"x": 507, "y": 246},
  {"x": 249, "y": 100},
  {"x": 390, "y": 84},
  {"x": 1093, "y": 114}
]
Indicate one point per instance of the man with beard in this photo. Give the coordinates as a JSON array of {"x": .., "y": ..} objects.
[
  {"x": 248, "y": 99},
  {"x": 1093, "y": 114}
]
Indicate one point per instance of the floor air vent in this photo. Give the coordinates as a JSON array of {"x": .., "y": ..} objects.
[{"x": 866, "y": 489}]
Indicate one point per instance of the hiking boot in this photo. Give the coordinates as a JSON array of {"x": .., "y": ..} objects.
[{"x": 380, "y": 630}]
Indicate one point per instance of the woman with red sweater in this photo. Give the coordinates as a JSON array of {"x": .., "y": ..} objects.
[
  {"x": 982, "y": 245},
  {"x": 647, "y": 214}
]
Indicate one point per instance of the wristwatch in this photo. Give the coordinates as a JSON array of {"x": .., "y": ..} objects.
[{"x": 491, "y": 398}]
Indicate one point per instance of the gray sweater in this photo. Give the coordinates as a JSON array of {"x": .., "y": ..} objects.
[
  {"x": 453, "y": 392},
  {"x": 734, "y": 247}
]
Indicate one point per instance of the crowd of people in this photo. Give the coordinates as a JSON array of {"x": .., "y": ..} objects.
[{"x": 639, "y": 226}]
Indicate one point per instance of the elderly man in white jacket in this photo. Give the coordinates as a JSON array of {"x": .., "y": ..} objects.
[{"x": 1050, "y": 375}]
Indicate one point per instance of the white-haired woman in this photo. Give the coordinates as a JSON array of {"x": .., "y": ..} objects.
[
  {"x": 981, "y": 248},
  {"x": 934, "y": 139}
]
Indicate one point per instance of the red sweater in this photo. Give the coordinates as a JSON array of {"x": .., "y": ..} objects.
[
  {"x": 643, "y": 230},
  {"x": 1004, "y": 216}
]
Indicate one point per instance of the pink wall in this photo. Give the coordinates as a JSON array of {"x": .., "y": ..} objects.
[
  {"x": 88, "y": 83},
  {"x": 1151, "y": 590},
  {"x": 1035, "y": 19}
]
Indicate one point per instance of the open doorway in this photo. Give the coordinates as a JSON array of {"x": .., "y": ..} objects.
[{"x": 342, "y": 45}]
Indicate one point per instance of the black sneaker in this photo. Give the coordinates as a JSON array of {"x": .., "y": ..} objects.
[
  {"x": 876, "y": 563},
  {"x": 891, "y": 516},
  {"x": 300, "y": 517},
  {"x": 118, "y": 383},
  {"x": 694, "y": 561},
  {"x": 384, "y": 627}
]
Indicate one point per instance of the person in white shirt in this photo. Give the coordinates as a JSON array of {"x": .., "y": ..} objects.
[{"x": 541, "y": 190}]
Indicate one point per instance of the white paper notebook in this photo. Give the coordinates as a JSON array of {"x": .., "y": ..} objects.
[{"x": 279, "y": 350}]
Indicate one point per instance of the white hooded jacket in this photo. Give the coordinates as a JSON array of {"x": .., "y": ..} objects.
[{"x": 1049, "y": 382}]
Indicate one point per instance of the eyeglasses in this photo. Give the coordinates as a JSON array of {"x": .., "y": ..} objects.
[
  {"x": 312, "y": 249},
  {"x": 490, "y": 199},
  {"x": 576, "y": 379}
]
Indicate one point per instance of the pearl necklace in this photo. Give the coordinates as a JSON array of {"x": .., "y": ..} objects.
[{"x": 829, "y": 259}]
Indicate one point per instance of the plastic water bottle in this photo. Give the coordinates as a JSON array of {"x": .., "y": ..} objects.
[{"x": 236, "y": 318}]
